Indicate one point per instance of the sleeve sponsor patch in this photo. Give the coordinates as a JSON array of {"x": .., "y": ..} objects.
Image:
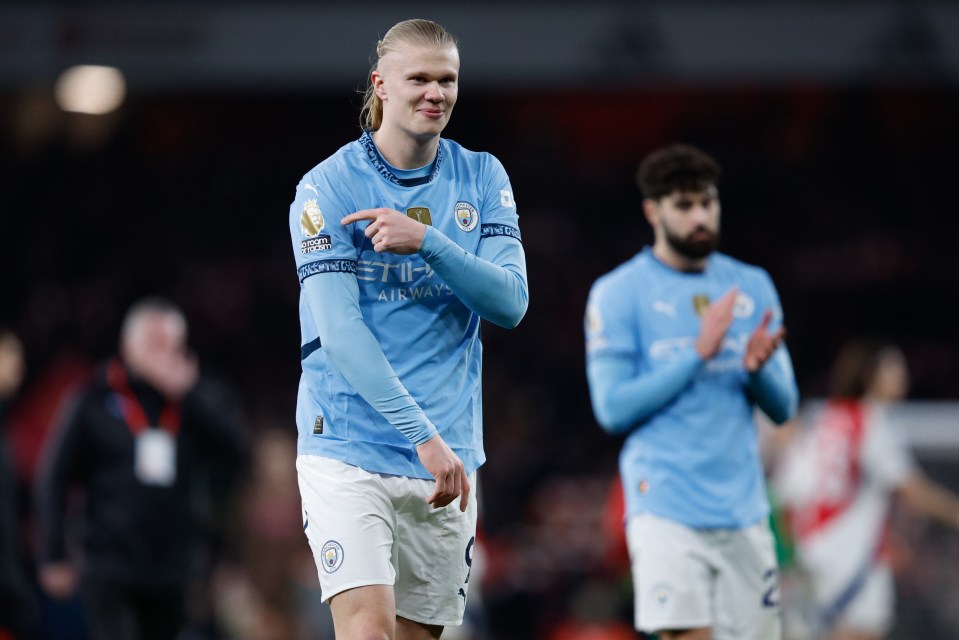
[
  {"x": 326, "y": 266},
  {"x": 489, "y": 230},
  {"x": 312, "y": 245}
]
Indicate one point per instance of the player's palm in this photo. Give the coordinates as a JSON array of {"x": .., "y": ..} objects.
[
  {"x": 715, "y": 324},
  {"x": 762, "y": 344}
]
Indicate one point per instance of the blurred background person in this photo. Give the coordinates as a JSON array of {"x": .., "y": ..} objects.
[
  {"x": 683, "y": 343},
  {"x": 18, "y": 608},
  {"x": 137, "y": 440},
  {"x": 838, "y": 483}
]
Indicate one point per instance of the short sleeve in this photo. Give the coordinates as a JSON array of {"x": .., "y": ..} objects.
[{"x": 320, "y": 243}]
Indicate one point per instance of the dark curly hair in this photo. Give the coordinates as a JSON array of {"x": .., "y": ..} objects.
[{"x": 678, "y": 167}]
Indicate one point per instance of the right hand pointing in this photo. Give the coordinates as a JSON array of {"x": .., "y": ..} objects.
[{"x": 448, "y": 471}]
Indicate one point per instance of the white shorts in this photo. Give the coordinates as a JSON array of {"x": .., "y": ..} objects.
[
  {"x": 685, "y": 578},
  {"x": 868, "y": 610},
  {"x": 367, "y": 528}
]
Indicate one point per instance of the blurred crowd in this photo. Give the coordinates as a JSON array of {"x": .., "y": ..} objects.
[{"x": 842, "y": 194}]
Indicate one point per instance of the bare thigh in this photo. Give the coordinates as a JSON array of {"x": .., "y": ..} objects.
[
  {"x": 368, "y": 613},
  {"x": 364, "y": 613}
]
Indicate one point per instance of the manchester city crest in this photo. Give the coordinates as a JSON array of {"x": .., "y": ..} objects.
[
  {"x": 744, "y": 306},
  {"x": 332, "y": 556},
  {"x": 662, "y": 593},
  {"x": 311, "y": 220},
  {"x": 466, "y": 216}
]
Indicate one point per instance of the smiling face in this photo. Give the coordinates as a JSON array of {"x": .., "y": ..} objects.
[{"x": 418, "y": 87}]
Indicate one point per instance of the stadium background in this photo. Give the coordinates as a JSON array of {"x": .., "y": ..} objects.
[{"x": 837, "y": 124}]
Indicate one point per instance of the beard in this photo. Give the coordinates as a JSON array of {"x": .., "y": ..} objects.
[{"x": 691, "y": 246}]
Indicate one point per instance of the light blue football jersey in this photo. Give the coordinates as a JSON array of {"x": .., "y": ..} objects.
[
  {"x": 430, "y": 338},
  {"x": 696, "y": 459}
]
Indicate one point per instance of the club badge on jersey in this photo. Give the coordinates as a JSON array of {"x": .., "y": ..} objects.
[{"x": 466, "y": 216}]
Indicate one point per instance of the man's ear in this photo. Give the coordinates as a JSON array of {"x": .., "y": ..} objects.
[
  {"x": 379, "y": 87},
  {"x": 651, "y": 211}
]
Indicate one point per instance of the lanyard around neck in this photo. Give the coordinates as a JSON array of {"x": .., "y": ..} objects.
[{"x": 133, "y": 413}]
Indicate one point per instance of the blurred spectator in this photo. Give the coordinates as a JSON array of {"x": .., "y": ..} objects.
[
  {"x": 17, "y": 607},
  {"x": 838, "y": 483},
  {"x": 593, "y": 616},
  {"x": 137, "y": 439},
  {"x": 272, "y": 594}
]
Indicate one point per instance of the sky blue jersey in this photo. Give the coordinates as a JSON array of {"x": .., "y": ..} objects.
[
  {"x": 423, "y": 310},
  {"x": 691, "y": 453}
]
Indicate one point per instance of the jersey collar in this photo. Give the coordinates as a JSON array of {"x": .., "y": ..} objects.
[{"x": 373, "y": 154}]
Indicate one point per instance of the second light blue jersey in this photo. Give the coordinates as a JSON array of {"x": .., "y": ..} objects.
[
  {"x": 429, "y": 336},
  {"x": 695, "y": 459}
]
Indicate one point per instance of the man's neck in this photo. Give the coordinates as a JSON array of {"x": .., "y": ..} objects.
[
  {"x": 404, "y": 151},
  {"x": 672, "y": 258}
]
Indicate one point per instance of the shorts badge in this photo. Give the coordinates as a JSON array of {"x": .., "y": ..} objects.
[
  {"x": 332, "y": 556},
  {"x": 662, "y": 594}
]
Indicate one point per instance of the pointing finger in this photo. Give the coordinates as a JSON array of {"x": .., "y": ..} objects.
[{"x": 365, "y": 214}]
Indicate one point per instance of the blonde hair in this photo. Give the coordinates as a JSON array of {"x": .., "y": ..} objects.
[{"x": 417, "y": 31}]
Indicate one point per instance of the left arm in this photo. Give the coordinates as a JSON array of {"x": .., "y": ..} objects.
[
  {"x": 773, "y": 388},
  {"x": 930, "y": 498},
  {"x": 770, "y": 380},
  {"x": 492, "y": 284}
]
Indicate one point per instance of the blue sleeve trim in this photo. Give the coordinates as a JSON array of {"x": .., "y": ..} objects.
[
  {"x": 307, "y": 349},
  {"x": 326, "y": 266},
  {"x": 490, "y": 230}
]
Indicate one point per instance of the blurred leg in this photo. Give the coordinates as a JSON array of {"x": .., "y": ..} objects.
[
  {"x": 112, "y": 614},
  {"x": 161, "y": 614},
  {"x": 686, "y": 634}
]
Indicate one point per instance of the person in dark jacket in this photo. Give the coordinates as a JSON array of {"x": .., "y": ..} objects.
[
  {"x": 18, "y": 609},
  {"x": 136, "y": 440}
]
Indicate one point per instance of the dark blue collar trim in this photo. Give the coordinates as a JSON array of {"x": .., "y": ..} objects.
[{"x": 384, "y": 169}]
